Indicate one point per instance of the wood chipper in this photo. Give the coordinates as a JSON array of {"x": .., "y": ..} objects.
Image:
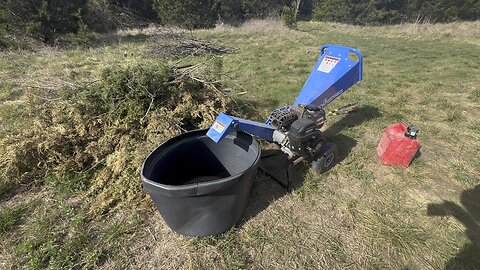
[{"x": 296, "y": 128}]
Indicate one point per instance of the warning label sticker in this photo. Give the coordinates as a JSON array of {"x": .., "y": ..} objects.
[
  {"x": 218, "y": 127},
  {"x": 328, "y": 63}
]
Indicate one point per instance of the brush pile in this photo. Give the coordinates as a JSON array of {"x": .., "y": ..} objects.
[
  {"x": 93, "y": 138},
  {"x": 175, "y": 43}
]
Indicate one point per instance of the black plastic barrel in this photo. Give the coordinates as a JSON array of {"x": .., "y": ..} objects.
[{"x": 201, "y": 187}]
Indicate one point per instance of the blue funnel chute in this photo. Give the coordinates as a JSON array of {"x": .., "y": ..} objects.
[{"x": 332, "y": 75}]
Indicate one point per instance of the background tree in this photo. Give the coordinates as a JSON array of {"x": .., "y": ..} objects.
[
  {"x": 3, "y": 25},
  {"x": 186, "y": 13},
  {"x": 45, "y": 19},
  {"x": 229, "y": 11},
  {"x": 445, "y": 10},
  {"x": 333, "y": 11},
  {"x": 296, "y": 5},
  {"x": 143, "y": 8},
  {"x": 379, "y": 12},
  {"x": 99, "y": 16}
]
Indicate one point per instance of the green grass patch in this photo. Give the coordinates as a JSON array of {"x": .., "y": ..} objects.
[
  {"x": 12, "y": 216},
  {"x": 476, "y": 94},
  {"x": 59, "y": 238}
]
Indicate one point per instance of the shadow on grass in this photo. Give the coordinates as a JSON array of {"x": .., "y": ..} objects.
[
  {"x": 265, "y": 189},
  {"x": 275, "y": 163},
  {"x": 360, "y": 115},
  {"x": 469, "y": 215},
  {"x": 346, "y": 144}
]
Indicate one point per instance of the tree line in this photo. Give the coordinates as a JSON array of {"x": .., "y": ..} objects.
[
  {"x": 378, "y": 12},
  {"x": 48, "y": 19}
]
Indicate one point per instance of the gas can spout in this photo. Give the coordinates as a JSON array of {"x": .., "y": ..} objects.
[{"x": 412, "y": 132}]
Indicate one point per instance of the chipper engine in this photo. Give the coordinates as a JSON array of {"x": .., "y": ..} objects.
[{"x": 295, "y": 129}]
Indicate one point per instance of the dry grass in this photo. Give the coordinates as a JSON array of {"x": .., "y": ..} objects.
[
  {"x": 466, "y": 31},
  {"x": 255, "y": 25},
  {"x": 454, "y": 29},
  {"x": 359, "y": 215}
]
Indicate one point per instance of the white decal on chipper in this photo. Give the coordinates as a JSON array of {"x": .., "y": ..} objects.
[
  {"x": 328, "y": 63},
  {"x": 218, "y": 127}
]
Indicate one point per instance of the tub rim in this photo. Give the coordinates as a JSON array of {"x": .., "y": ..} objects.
[{"x": 195, "y": 189}]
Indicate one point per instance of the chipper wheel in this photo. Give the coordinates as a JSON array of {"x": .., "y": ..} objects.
[{"x": 326, "y": 158}]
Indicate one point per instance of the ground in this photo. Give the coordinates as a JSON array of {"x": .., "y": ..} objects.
[{"x": 359, "y": 215}]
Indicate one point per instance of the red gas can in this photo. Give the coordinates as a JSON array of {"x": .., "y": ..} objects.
[{"x": 398, "y": 145}]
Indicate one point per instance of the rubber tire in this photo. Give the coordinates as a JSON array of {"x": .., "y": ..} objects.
[{"x": 326, "y": 159}]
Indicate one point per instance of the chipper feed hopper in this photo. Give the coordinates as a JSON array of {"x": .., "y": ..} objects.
[{"x": 296, "y": 128}]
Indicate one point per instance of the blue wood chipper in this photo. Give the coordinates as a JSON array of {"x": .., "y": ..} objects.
[{"x": 296, "y": 128}]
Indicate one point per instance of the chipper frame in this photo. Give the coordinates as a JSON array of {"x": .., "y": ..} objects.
[{"x": 296, "y": 128}]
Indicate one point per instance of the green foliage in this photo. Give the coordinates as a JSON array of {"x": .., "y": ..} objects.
[
  {"x": 3, "y": 25},
  {"x": 360, "y": 203},
  {"x": 143, "y": 8},
  {"x": 204, "y": 14},
  {"x": 255, "y": 9},
  {"x": 68, "y": 183},
  {"x": 9, "y": 217},
  {"x": 186, "y": 13},
  {"x": 391, "y": 11},
  {"x": 380, "y": 12},
  {"x": 127, "y": 92},
  {"x": 444, "y": 10},
  {"x": 229, "y": 11},
  {"x": 333, "y": 11},
  {"x": 4, "y": 42},
  {"x": 84, "y": 37},
  {"x": 59, "y": 239},
  {"x": 264, "y": 8},
  {"x": 45, "y": 19},
  {"x": 56, "y": 17},
  {"x": 289, "y": 17},
  {"x": 99, "y": 16},
  {"x": 361, "y": 12}
]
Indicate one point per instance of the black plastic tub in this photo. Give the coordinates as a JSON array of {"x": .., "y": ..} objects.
[{"x": 200, "y": 187}]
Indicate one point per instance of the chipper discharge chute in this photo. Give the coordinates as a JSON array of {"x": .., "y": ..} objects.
[{"x": 200, "y": 181}]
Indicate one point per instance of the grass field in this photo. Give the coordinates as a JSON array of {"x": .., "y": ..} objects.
[{"x": 359, "y": 215}]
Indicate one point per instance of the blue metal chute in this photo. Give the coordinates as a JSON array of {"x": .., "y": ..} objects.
[{"x": 332, "y": 75}]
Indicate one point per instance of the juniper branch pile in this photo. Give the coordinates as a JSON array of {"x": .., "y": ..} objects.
[{"x": 92, "y": 139}]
